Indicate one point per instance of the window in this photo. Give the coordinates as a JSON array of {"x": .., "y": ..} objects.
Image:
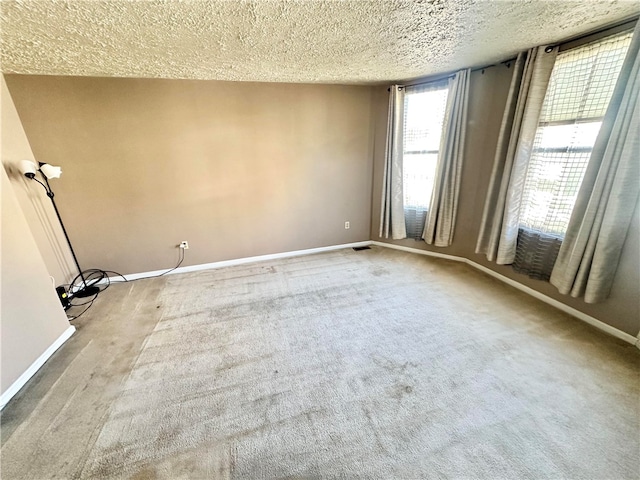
[
  {"x": 579, "y": 92},
  {"x": 424, "y": 108}
]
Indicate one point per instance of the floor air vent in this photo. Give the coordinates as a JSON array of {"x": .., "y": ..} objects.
[{"x": 357, "y": 249}]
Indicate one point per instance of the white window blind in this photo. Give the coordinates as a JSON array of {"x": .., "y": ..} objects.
[
  {"x": 424, "y": 108},
  {"x": 579, "y": 92}
]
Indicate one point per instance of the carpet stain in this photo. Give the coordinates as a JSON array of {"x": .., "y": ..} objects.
[
  {"x": 378, "y": 272},
  {"x": 374, "y": 430},
  {"x": 145, "y": 473}
]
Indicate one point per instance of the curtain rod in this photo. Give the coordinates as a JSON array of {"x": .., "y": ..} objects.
[
  {"x": 567, "y": 44},
  {"x": 612, "y": 29},
  {"x": 448, "y": 75}
]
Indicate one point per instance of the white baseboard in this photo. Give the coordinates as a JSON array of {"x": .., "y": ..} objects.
[
  {"x": 523, "y": 288},
  {"x": 35, "y": 366},
  {"x": 239, "y": 261},
  {"x": 530, "y": 291},
  {"x": 420, "y": 252}
]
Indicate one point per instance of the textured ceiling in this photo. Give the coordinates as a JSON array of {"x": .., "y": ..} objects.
[{"x": 361, "y": 41}]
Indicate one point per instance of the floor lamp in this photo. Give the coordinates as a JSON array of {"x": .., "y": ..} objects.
[{"x": 30, "y": 170}]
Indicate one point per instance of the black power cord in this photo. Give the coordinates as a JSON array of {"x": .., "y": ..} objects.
[{"x": 101, "y": 280}]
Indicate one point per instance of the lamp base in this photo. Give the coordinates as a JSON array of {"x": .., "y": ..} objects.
[{"x": 88, "y": 291}]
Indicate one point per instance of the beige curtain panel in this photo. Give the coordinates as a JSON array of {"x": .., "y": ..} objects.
[
  {"x": 392, "y": 209},
  {"x": 608, "y": 196},
  {"x": 500, "y": 218},
  {"x": 443, "y": 208}
]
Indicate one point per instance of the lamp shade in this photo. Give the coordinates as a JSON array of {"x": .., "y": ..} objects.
[
  {"x": 50, "y": 171},
  {"x": 27, "y": 168}
]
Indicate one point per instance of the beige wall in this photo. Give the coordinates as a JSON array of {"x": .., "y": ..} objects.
[
  {"x": 31, "y": 315},
  {"x": 487, "y": 100},
  {"x": 35, "y": 205},
  {"x": 237, "y": 169}
]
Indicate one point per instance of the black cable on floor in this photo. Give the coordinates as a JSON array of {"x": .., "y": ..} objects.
[{"x": 101, "y": 280}]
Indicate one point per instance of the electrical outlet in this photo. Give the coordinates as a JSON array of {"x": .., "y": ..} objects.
[
  {"x": 347, "y": 225},
  {"x": 184, "y": 245}
]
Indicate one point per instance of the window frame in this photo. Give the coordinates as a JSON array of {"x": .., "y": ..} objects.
[
  {"x": 441, "y": 84},
  {"x": 526, "y": 219}
]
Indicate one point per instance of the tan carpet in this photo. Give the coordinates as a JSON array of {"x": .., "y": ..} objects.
[{"x": 371, "y": 364}]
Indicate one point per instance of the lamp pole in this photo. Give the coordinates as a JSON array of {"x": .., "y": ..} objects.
[{"x": 86, "y": 290}]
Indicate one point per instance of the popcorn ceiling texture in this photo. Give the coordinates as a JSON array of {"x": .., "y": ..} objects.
[{"x": 311, "y": 41}]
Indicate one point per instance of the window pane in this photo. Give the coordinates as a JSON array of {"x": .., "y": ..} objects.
[
  {"x": 577, "y": 135},
  {"x": 583, "y": 80},
  {"x": 423, "y": 118},
  {"x": 419, "y": 172},
  {"x": 552, "y": 187},
  {"x": 424, "y": 114}
]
